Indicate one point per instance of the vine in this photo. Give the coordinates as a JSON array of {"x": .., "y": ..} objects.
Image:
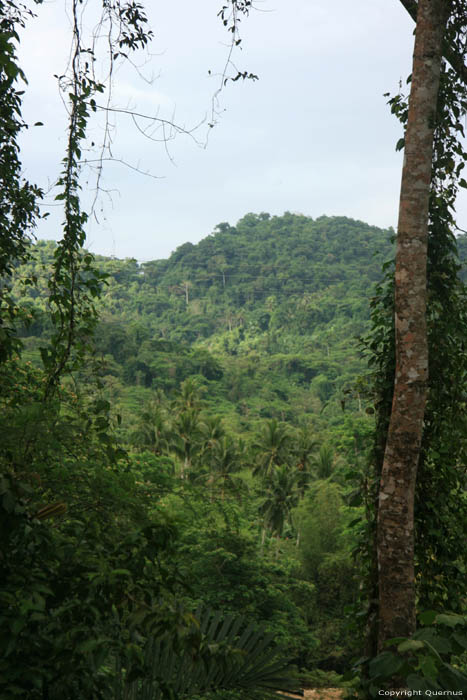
[
  {"x": 440, "y": 503},
  {"x": 19, "y": 201},
  {"x": 75, "y": 283}
]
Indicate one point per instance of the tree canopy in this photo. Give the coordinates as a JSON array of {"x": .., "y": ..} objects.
[{"x": 193, "y": 449}]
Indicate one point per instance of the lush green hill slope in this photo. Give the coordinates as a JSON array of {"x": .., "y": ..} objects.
[
  {"x": 257, "y": 324},
  {"x": 265, "y": 313}
]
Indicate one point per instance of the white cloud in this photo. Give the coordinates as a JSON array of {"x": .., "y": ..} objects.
[{"x": 313, "y": 134}]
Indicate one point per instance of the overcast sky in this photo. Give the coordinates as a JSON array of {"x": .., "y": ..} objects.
[{"x": 313, "y": 135}]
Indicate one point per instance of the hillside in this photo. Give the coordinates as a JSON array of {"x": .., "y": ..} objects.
[
  {"x": 217, "y": 405},
  {"x": 265, "y": 313}
]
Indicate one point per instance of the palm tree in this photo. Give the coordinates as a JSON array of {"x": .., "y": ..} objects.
[
  {"x": 237, "y": 655},
  {"x": 213, "y": 432},
  {"x": 324, "y": 462},
  {"x": 226, "y": 462},
  {"x": 152, "y": 431},
  {"x": 272, "y": 447},
  {"x": 190, "y": 397},
  {"x": 187, "y": 438},
  {"x": 304, "y": 449},
  {"x": 282, "y": 495}
]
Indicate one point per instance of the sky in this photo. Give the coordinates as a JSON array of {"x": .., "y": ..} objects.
[{"x": 313, "y": 135}]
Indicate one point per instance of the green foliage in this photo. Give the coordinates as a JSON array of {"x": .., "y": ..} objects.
[
  {"x": 325, "y": 552},
  {"x": 440, "y": 503},
  {"x": 322, "y": 520},
  {"x": 265, "y": 377},
  {"x": 272, "y": 447},
  {"x": 229, "y": 655},
  {"x": 444, "y": 445},
  {"x": 273, "y": 305},
  {"x": 19, "y": 198},
  {"x": 79, "y": 544},
  {"x": 75, "y": 283},
  {"x": 433, "y": 660},
  {"x": 125, "y": 499},
  {"x": 103, "y": 524},
  {"x": 280, "y": 497},
  {"x": 200, "y": 457}
]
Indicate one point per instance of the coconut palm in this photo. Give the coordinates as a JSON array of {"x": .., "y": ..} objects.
[
  {"x": 272, "y": 447},
  {"x": 187, "y": 438},
  {"x": 190, "y": 397},
  {"x": 304, "y": 457},
  {"x": 225, "y": 463},
  {"x": 282, "y": 495},
  {"x": 324, "y": 462},
  {"x": 152, "y": 430},
  {"x": 213, "y": 432}
]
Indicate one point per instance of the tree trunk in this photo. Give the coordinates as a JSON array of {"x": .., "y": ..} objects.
[
  {"x": 276, "y": 553},
  {"x": 395, "y": 539},
  {"x": 263, "y": 539}
]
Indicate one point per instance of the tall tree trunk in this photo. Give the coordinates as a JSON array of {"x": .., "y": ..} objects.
[{"x": 395, "y": 538}]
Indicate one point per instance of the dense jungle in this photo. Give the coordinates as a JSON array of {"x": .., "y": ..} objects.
[
  {"x": 194, "y": 459},
  {"x": 223, "y": 385},
  {"x": 209, "y": 455}
]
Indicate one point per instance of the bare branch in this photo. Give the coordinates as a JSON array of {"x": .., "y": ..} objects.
[
  {"x": 113, "y": 159},
  {"x": 154, "y": 119}
]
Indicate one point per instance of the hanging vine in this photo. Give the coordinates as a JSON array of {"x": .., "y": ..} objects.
[
  {"x": 19, "y": 198},
  {"x": 75, "y": 283}
]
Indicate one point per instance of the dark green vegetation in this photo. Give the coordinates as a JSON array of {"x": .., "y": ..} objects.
[
  {"x": 184, "y": 456},
  {"x": 430, "y": 660},
  {"x": 205, "y": 453},
  {"x": 209, "y": 451},
  {"x": 266, "y": 314}
]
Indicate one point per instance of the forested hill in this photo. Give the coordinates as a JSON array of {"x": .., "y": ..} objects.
[
  {"x": 264, "y": 313},
  {"x": 287, "y": 255},
  {"x": 264, "y": 261},
  {"x": 226, "y": 375}
]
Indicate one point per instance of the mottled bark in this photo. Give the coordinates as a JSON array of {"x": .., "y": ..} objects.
[
  {"x": 455, "y": 59},
  {"x": 396, "y": 495}
]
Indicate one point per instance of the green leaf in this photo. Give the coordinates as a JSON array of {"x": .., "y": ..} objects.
[
  {"x": 453, "y": 679},
  {"x": 431, "y": 636},
  {"x": 8, "y": 502},
  {"x": 87, "y": 646},
  {"x": 428, "y": 617},
  {"x": 416, "y": 682},
  {"x": 121, "y": 572},
  {"x": 410, "y": 645},
  {"x": 101, "y": 405},
  {"x": 385, "y": 665},
  {"x": 400, "y": 144},
  {"x": 461, "y": 639},
  {"x": 429, "y": 667},
  {"x": 450, "y": 619}
]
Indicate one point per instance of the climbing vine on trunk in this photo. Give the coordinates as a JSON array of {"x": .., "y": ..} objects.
[
  {"x": 398, "y": 475},
  {"x": 440, "y": 514}
]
